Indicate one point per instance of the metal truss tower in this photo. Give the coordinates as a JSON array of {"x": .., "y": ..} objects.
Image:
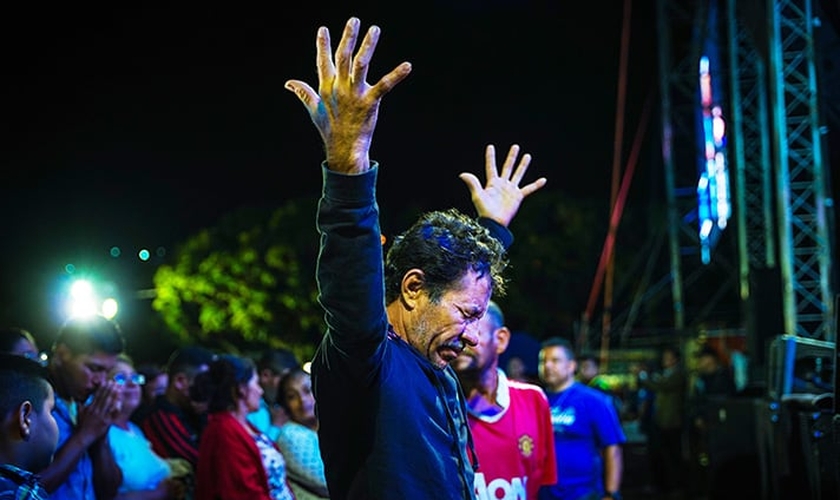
[
  {"x": 780, "y": 202},
  {"x": 750, "y": 149},
  {"x": 805, "y": 253}
]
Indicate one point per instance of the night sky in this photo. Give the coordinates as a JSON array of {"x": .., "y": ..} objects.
[{"x": 136, "y": 127}]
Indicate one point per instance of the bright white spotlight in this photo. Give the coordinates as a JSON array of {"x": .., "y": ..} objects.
[
  {"x": 81, "y": 289},
  {"x": 109, "y": 308},
  {"x": 82, "y": 307},
  {"x": 82, "y": 300}
]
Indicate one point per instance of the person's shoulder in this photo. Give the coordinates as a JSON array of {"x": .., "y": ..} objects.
[
  {"x": 524, "y": 386},
  {"x": 11, "y": 476},
  {"x": 293, "y": 431},
  {"x": 222, "y": 427},
  {"x": 19, "y": 483},
  {"x": 599, "y": 383},
  {"x": 163, "y": 407},
  {"x": 519, "y": 388},
  {"x": 291, "y": 427},
  {"x": 591, "y": 392}
]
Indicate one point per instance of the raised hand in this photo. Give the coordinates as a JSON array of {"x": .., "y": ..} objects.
[
  {"x": 346, "y": 107},
  {"x": 501, "y": 197}
]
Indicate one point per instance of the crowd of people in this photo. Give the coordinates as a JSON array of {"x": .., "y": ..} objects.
[
  {"x": 405, "y": 397},
  {"x": 80, "y": 425}
]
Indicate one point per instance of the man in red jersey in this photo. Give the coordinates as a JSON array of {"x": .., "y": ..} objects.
[{"x": 510, "y": 420}]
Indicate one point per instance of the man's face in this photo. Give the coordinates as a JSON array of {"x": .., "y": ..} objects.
[
  {"x": 183, "y": 384},
  {"x": 441, "y": 330},
  {"x": 555, "y": 368},
  {"x": 269, "y": 381},
  {"x": 515, "y": 369},
  {"x": 82, "y": 374},
  {"x": 155, "y": 387},
  {"x": 706, "y": 364},
  {"x": 588, "y": 370},
  {"x": 669, "y": 359},
  {"x": 43, "y": 436},
  {"x": 485, "y": 355}
]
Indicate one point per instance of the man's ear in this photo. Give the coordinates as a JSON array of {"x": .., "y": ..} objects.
[
  {"x": 24, "y": 419},
  {"x": 413, "y": 285},
  {"x": 502, "y": 339}
]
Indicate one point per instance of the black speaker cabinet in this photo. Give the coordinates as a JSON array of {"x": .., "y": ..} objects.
[{"x": 732, "y": 449}]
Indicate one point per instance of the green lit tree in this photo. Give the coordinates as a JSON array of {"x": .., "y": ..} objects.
[{"x": 247, "y": 283}]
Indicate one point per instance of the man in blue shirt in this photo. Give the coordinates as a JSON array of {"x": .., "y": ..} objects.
[
  {"x": 586, "y": 428},
  {"x": 29, "y": 433},
  {"x": 86, "y": 403}
]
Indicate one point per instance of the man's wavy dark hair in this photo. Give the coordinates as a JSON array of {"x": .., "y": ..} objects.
[
  {"x": 87, "y": 335},
  {"x": 444, "y": 245}
]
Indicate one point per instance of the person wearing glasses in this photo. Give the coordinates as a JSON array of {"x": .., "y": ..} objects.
[
  {"x": 86, "y": 402},
  {"x": 145, "y": 474}
]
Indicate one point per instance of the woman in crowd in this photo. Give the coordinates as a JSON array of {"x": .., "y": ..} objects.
[
  {"x": 146, "y": 476},
  {"x": 235, "y": 460},
  {"x": 298, "y": 438}
]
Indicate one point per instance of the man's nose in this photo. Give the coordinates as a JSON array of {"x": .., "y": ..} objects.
[{"x": 470, "y": 336}]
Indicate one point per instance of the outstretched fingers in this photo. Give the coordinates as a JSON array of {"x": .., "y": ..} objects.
[
  {"x": 389, "y": 81},
  {"x": 344, "y": 52},
  {"x": 510, "y": 161},
  {"x": 533, "y": 187},
  {"x": 305, "y": 93},
  {"x": 508, "y": 172},
  {"x": 361, "y": 62},
  {"x": 519, "y": 173},
  {"x": 490, "y": 171},
  {"x": 324, "y": 60}
]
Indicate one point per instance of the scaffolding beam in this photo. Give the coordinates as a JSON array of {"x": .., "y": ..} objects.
[
  {"x": 804, "y": 249},
  {"x": 750, "y": 149}
]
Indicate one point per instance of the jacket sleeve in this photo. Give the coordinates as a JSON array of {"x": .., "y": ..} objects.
[
  {"x": 350, "y": 274},
  {"x": 498, "y": 231}
]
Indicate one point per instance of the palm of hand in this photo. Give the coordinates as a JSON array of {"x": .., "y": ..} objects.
[{"x": 501, "y": 197}]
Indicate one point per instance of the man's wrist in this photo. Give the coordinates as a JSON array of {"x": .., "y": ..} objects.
[{"x": 497, "y": 230}]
